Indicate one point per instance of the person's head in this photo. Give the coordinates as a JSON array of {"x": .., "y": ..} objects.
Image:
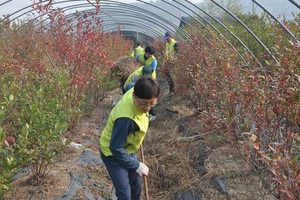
[
  {"x": 168, "y": 36},
  {"x": 145, "y": 93},
  {"x": 149, "y": 51},
  {"x": 147, "y": 71},
  {"x": 138, "y": 44}
]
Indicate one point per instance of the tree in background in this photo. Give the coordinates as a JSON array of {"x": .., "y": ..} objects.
[{"x": 234, "y": 6}]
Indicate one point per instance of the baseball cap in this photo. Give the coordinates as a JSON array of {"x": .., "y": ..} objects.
[
  {"x": 167, "y": 35},
  {"x": 147, "y": 71}
]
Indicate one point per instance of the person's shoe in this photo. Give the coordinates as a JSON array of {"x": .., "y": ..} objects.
[{"x": 152, "y": 117}]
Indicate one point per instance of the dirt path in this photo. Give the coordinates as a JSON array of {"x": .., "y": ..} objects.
[{"x": 180, "y": 156}]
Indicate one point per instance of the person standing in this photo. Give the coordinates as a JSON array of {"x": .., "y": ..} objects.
[
  {"x": 171, "y": 50},
  {"x": 139, "y": 49},
  {"x": 148, "y": 59},
  {"x": 123, "y": 135}
]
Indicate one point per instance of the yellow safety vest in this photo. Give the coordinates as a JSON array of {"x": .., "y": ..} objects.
[
  {"x": 148, "y": 62},
  {"x": 170, "y": 50},
  {"x": 137, "y": 72},
  {"x": 125, "y": 108},
  {"x": 139, "y": 50},
  {"x": 132, "y": 54}
]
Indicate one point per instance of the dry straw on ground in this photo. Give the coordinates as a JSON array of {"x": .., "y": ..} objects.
[
  {"x": 172, "y": 164},
  {"x": 180, "y": 159},
  {"x": 124, "y": 66}
]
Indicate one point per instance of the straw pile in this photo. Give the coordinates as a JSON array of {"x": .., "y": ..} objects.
[
  {"x": 172, "y": 160},
  {"x": 124, "y": 66}
]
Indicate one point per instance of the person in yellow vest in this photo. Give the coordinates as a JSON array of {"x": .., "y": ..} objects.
[
  {"x": 134, "y": 76},
  {"x": 123, "y": 135},
  {"x": 131, "y": 54},
  {"x": 139, "y": 49},
  {"x": 149, "y": 60},
  {"x": 171, "y": 50}
]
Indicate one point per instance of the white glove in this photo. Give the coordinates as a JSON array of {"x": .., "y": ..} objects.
[{"x": 143, "y": 169}]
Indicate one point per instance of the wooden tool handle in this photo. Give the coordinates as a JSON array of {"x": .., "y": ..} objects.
[{"x": 144, "y": 177}]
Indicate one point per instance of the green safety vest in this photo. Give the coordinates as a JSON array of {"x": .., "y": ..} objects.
[
  {"x": 148, "y": 62},
  {"x": 125, "y": 108},
  {"x": 131, "y": 54},
  {"x": 139, "y": 50},
  {"x": 137, "y": 72},
  {"x": 170, "y": 50}
]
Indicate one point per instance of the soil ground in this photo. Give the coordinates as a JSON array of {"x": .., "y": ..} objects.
[{"x": 182, "y": 160}]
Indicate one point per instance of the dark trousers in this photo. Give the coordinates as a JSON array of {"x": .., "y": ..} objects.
[
  {"x": 169, "y": 78},
  {"x": 170, "y": 82},
  {"x": 127, "y": 182},
  {"x": 152, "y": 112}
]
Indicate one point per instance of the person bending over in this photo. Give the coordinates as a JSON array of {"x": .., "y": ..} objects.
[{"x": 123, "y": 135}]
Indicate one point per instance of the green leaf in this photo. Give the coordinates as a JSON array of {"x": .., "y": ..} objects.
[
  {"x": 11, "y": 97},
  {"x": 2, "y": 116},
  {"x": 44, "y": 138},
  {"x": 296, "y": 159}
]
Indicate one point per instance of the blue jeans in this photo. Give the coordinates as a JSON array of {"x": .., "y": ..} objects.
[{"x": 127, "y": 182}]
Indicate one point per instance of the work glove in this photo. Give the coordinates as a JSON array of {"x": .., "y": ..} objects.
[{"x": 143, "y": 169}]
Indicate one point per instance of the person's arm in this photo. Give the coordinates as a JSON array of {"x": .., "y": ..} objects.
[
  {"x": 121, "y": 129},
  {"x": 153, "y": 64},
  {"x": 135, "y": 78}
]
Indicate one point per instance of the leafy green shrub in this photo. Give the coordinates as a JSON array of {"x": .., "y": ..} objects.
[
  {"x": 35, "y": 112},
  {"x": 7, "y": 164},
  {"x": 49, "y": 76}
]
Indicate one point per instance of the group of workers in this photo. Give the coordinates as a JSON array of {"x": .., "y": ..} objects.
[{"x": 128, "y": 122}]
